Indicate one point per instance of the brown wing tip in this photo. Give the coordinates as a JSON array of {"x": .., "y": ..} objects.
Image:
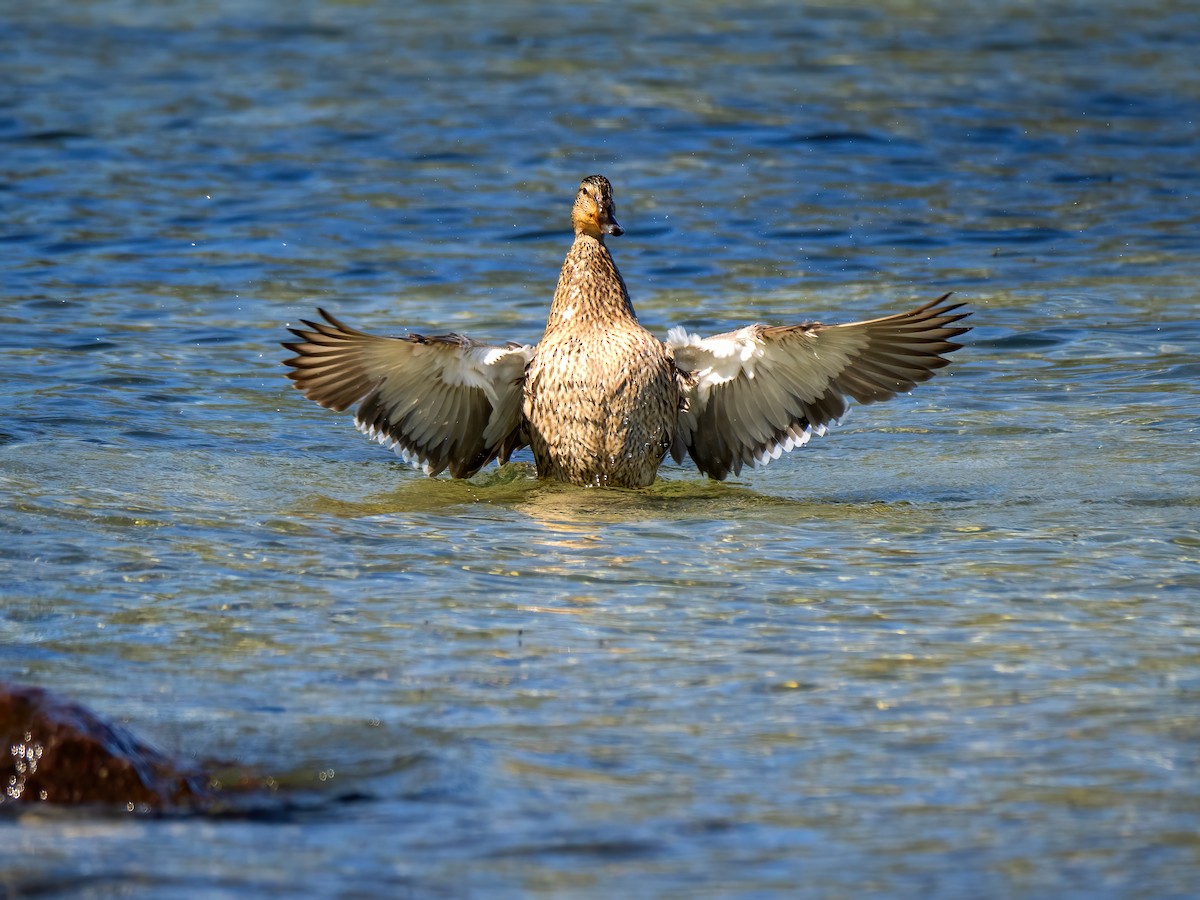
[
  {"x": 293, "y": 361},
  {"x": 309, "y": 340},
  {"x": 946, "y": 311},
  {"x": 335, "y": 327},
  {"x": 312, "y": 332}
]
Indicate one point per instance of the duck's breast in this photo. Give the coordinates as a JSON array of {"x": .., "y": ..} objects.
[{"x": 601, "y": 406}]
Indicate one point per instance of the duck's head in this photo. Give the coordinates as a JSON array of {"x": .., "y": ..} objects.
[{"x": 594, "y": 213}]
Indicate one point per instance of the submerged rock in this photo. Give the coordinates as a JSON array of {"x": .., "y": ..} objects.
[{"x": 55, "y": 751}]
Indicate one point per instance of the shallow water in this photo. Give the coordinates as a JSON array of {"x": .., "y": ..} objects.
[{"x": 950, "y": 649}]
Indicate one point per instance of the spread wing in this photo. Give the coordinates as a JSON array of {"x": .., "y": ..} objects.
[
  {"x": 440, "y": 402},
  {"x": 760, "y": 391}
]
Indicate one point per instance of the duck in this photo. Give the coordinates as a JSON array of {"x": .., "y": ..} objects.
[{"x": 600, "y": 400}]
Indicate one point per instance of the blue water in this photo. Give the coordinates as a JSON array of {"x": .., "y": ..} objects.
[{"x": 950, "y": 649}]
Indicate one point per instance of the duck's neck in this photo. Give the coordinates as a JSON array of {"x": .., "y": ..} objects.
[{"x": 590, "y": 289}]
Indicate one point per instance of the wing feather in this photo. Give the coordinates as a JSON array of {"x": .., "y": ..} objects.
[
  {"x": 440, "y": 402},
  {"x": 755, "y": 393}
]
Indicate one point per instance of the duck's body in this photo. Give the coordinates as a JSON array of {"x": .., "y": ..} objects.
[
  {"x": 600, "y": 407},
  {"x": 600, "y": 400},
  {"x": 601, "y": 395}
]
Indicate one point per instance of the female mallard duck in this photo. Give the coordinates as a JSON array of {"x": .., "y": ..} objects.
[{"x": 600, "y": 400}]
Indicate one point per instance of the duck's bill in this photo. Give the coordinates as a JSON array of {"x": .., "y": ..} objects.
[{"x": 611, "y": 227}]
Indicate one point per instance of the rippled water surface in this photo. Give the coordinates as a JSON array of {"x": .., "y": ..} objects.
[{"x": 951, "y": 649}]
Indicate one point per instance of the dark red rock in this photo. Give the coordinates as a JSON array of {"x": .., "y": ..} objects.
[{"x": 56, "y": 751}]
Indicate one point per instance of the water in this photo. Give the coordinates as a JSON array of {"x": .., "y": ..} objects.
[{"x": 950, "y": 649}]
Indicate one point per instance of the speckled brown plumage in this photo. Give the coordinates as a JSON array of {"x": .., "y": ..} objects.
[
  {"x": 600, "y": 400},
  {"x": 601, "y": 396}
]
